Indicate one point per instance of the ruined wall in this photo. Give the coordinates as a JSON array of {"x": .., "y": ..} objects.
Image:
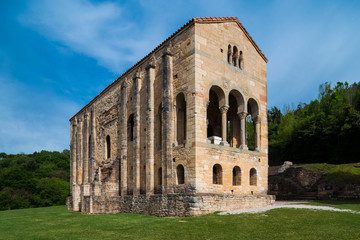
[
  {"x": 128, "y": 151},
  {"x": 297, "y": 183},
  {"x": 180, "y": 205}
]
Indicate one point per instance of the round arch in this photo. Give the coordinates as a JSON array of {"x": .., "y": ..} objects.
[{"x": 253, "y": 107}]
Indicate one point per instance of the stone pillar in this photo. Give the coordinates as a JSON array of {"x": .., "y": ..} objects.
[
  {"x": 79, "y": 152},
  {"x": 73, "y": 154},
  {"x": 257, "y": 123},
  {"x": 86, "y": 185},
  {"x": 242, "y": 116},
  {"x": 224, "y": 110},
  {"x": 92, "y": 146},
  {"x": 136, "y": 142},
  {"x": 150, "y": 133},
  {"x": 168, "y": 128},
  {"x": 123, "y": 139},
  {"x": 76, "y": 187}
]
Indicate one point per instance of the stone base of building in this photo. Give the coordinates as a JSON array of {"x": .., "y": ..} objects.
[{"x": 169, "y": 205}]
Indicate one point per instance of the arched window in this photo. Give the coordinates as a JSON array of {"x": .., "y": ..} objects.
[
  {"x": 217, "y": 174},
  {"x": 229, "y": 54},
  {"x": 236, "y": 176},
  {"x": 216, "y": 100},
  {"x": 253, "y": 177},
  {"x": 130, "y": 128},
  {"x": 236, "y": 106},
  {"x": 160, "y": 177},
  {"x": 108, "y": 147},
  {"x": 89, "y": 147},
  {"x": 235, "y": 56},
  {"x": 241, "y": 60},
  {"x": 180, "y": 173},
  {"x": 180, "y": 118},
  {"x": 159, "y": 126},
  {"x": 253, "y": 133}
]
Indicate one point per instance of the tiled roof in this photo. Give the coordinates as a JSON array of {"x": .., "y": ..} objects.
[{"x": 189, "y": 23}]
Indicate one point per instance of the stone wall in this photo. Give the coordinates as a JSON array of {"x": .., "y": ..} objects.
[
  {"x": 181, "y": 205},
  {"x": 246, "y": 84},
  {"x": 297, "y": 183}
]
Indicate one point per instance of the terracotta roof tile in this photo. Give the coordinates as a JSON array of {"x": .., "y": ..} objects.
[{"x": 189, "y": 23}]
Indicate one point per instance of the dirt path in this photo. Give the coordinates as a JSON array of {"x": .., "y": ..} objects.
[{"x": 281, "y": 204}]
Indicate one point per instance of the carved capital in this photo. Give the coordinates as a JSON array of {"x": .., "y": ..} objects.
[
  {"x": 168, "y": 50},
  {"x": 123, "y": 85},
  {"x": 151, "y": 63},
  {"x": 242, "y": 115},
  {"x": 224, "y": 108},
  {"x": 257, "y": 119},
  {"x": 136, "y": 75}
]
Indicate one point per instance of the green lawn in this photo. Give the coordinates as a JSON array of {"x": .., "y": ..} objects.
[{"x": 58, "y": 223}]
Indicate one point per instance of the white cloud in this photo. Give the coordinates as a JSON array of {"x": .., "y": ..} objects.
[{"x": 97, "y": 30}]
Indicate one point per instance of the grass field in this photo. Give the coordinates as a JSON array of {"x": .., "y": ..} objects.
[{"x": 58, "y": 223}]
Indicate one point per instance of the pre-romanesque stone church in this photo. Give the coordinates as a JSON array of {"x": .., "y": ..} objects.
[{"x": 181, "y": 133}]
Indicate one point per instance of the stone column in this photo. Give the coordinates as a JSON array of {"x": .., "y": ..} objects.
[
  {"x": 123, "y": 141},
  {"x": 168, "y": 128},
  {"x": 73, "y": 153},
  {"x": 257, "y": 123},
  {"x": 85, "y": 150},
  {"x": 76, "y": 187},
  {"x": 79, "y": 152},
  {"x": 86, "y": 185},
  {"x": 92, "y": 146},
  {"x": 136, "y": 142},
  {"x": 242, "y": 116},
  {"x": 224, "y": 110},
  {"x": 150, "y": 133}
]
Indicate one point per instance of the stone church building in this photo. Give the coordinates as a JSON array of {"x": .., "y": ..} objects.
[{"x": 181, "y": 133}]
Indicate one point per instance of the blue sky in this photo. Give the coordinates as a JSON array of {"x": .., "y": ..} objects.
[{"x": 55, "y": 56}]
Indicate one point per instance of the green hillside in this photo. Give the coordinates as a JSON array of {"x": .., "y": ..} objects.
[{"x": 39, "y": 179}]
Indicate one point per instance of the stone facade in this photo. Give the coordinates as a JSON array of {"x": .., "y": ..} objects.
[{"x": 169, "y": 137}]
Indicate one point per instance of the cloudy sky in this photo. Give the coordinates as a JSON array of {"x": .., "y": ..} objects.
[{"x": 55, "y": 56}]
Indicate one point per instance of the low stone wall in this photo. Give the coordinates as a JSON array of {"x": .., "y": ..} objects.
[
  {"x": 172, "y": 204},
  {"x": 298, "y": 183}
]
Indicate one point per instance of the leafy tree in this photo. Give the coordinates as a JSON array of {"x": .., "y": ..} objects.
[
  {"x": 51, "y": 192},
  {"x": 33, "y": 180},
  {"x": 325, "y": 130}
]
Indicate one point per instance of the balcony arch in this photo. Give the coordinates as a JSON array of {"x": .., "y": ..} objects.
[{"x": 214, "y": 116}]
